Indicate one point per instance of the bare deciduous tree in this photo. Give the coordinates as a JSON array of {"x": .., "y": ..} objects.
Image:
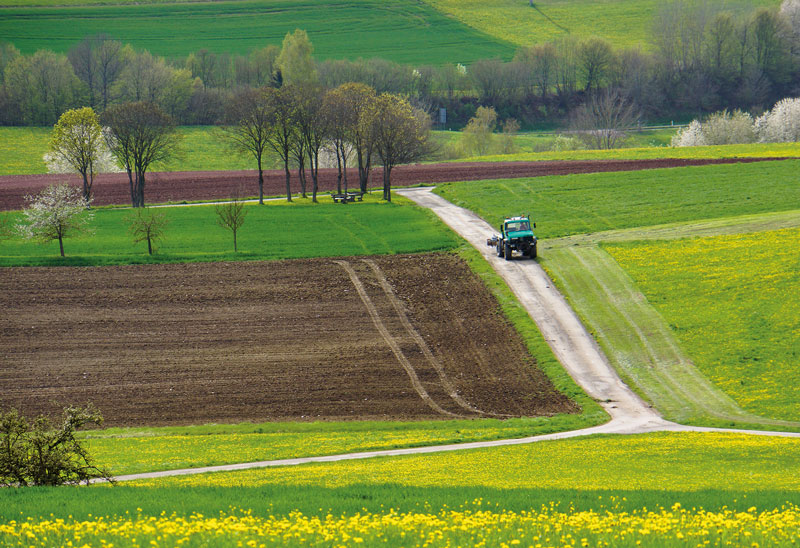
[
  {"x": 248, "y": 127},
  {"x": 231, "y": 215},
  {"x": 139, "y": 135},
  {"x": 603, "y": 120},
  {"x": 146, "y": 225}
]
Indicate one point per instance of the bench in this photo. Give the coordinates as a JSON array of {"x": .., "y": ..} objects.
[{"x": 347, "y": 197}]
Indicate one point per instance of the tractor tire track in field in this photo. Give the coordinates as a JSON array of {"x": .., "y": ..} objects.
[
  {"x": 426, "y": 351},
  {"x": 396, "y": 348}
]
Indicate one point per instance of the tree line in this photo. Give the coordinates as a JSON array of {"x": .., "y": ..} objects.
[
  {"x": 296, "y": 122},
  {"x": 701, "y": 58}
]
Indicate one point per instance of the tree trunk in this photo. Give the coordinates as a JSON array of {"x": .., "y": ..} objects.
[
  {"x": 149, "y": 246},
  {"x": 313, "y": 159},
  {"x": 339, "y": 166},
  {"x": 260, "y": 183},
  {"x": 133, "y": 190},
  {"x": 87, "y": 188},
  {"x": 61, "y": 244},
  {"x": 387, "y": 185},
  {"x": 234, "y": 241},
  {"x": 288, "y": 180},
  {"x": 344, "y": 168},
  {"x": 301, "y": 174}
]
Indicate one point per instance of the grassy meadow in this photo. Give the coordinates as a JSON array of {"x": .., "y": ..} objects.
[
  {"x": 584, "y": 203},
  {"x": 403, "y": 31},
  {"x": 655, "y": 489},
  {"x": 732, "y": 302},
  {"x": 202, "y": 150},
  {"x": 622, "y": 22},
  {"x": 268, "y": 233}
]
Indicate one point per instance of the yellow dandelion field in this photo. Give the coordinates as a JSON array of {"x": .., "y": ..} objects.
[{"x": 549, "y": 526}]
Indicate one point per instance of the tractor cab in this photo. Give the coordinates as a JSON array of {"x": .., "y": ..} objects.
[{"x": 517, "y": 227}]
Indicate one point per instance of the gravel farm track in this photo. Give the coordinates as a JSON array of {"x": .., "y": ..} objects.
[{"x": 181, "y": 186}]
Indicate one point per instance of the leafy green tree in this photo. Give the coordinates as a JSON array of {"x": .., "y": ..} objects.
[
  {"x": 295, "y": 61},
  {"x": 146, "y": 225},
  {"x": 77, "y": 145},
  {"x": 55, "y": 213},
  {"x": 283, "y": 108},
  {"x": 40, "y": 453},
  {"x": 400, "y": 134},
  {"x": 479, "y": 133}
]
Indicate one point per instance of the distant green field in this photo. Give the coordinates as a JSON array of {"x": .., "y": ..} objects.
[
  {"x": 622, "y": 22},
  {"x": 646, "y": 151},
  {"x": 733, "y": 303},
  {"x": 403, "y": 30},
  {"x": 372, "y": 227},
  {"x": 576, "y": 204}
]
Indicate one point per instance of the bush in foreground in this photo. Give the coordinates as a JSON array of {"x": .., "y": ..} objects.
[{"x": 39, "y": 453}]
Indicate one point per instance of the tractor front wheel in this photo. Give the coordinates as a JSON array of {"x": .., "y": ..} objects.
[
  {"x": 508, "y": 252},
  {"x": 500, "y": 246},
  {"x": 532, "y": 254}
]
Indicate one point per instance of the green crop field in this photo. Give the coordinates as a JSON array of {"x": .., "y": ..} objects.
[
  {"x": 733, "y": 303},
  {"x": 643, "y": 150},
  {"x": 403, "y": 30},
  {"x": 655, "y": 489},
  {"x": 193, "y": 235},
  {"x": 575, "y": 204},
  {"x": 622, "y": 22}
]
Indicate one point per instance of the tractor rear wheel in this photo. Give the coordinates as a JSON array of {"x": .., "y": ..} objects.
[
  {"x": 508, "y": 252},
  {"x": 500, "y": 246},
  {"x": 532, "y": 253}
]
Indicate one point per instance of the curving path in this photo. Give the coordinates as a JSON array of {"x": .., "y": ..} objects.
[{"x": 572, "y": 344}]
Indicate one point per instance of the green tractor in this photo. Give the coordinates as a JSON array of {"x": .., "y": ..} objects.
[{"x": 516, "y": 234}]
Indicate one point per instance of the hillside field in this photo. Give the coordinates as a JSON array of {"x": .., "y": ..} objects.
[
  {"x": 403, "y": 30},
  {"x": 621, "y": 22}
]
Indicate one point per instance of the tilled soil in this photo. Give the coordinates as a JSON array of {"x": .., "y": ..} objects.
[
  {"x": 289, "y": 340},
  {"x": 162, "y": 187}
]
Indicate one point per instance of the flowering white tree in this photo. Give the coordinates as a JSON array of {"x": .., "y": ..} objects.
[
  {"x": 781, "y": 124},
  {"x": 77, "y": 145},
  {"x": 720, "y": 128},
  {"x": 55, "y": 213}
]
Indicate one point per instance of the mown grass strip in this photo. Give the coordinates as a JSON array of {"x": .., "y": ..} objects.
[{"x": 733, "y": 304}]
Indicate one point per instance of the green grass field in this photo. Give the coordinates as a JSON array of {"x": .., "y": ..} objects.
[
  {"x": 622, "y": 22},
  {"x": 732, "y": 303},
  {"x": 403, "y": 31},
  {"x": 203, "y": 150},
  {"x": 576, "y": 204},
  {"x": 192, "y": 235}
]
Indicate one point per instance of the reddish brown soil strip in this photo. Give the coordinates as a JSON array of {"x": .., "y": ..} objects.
[
  {"x": 228, "y": 342},
  {"x": 213, "y": 185}
]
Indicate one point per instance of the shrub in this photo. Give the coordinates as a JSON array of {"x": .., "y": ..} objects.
[
  {"x": 39, "y": 453},
  {"x": 781, "y": 124}
]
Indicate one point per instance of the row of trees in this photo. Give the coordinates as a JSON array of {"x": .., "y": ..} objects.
[
  {"x": 701, "y": 58},
  {"x": 295, "y": 122}
]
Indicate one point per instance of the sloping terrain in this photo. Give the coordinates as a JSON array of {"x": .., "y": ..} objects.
[{"x": 397, "y": 337}]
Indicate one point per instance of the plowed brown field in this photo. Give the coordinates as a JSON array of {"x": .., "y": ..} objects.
[
  {"x": 394, "y": 337},
  {"x": 213, "y": 185}
]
